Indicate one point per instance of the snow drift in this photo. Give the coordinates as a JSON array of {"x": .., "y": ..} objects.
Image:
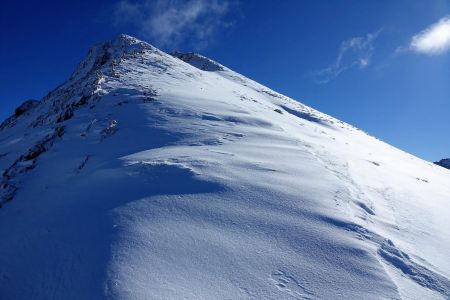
[{"x": 156, "y": 176}]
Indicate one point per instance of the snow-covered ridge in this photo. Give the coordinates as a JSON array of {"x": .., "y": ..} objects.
[
  {"x": 148, "y": 176},
  {"x": 199, "y": 61},
  {"x": 102, "y": 61},
  {"x": 23, "y": 109}
]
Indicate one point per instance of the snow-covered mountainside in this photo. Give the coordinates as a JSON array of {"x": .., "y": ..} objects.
[
  {"x": 444, "y": 163},
  {"x": 152, "y": 176}
]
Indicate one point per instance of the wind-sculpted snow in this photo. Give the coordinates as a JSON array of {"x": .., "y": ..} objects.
[
  {"x": 398, "y": 259},
  {"x": 146, "y": 176},
  {"x": 416, "y": 272}
]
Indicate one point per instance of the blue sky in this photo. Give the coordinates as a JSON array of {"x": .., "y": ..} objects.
[{"x": 381, "y": 65}]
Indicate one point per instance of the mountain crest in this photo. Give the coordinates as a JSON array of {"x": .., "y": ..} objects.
[
  {"x": 199, "y": 61},
  {"x": 106, "y": 55}
]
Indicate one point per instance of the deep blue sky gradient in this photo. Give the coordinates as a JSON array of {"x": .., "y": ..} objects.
[{"x": 403, "y": 99}]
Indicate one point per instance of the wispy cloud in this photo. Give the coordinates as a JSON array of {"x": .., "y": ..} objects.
[
  {"x": 170, "y": 22},
  {"x": 433, "y": 40},
  {"x": 353, "y": 53}
]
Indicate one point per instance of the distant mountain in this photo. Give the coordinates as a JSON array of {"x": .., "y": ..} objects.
[
  {"x": 444, "y": 163},
  {"x": 154, "y": 176}
]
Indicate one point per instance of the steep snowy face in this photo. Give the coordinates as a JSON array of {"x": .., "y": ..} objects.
[
  {"x": 41, "y": 122},
  {"x": 156, "y": 176}
]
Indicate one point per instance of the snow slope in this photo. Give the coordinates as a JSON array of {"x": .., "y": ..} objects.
[{"x": 151, "y": 176}]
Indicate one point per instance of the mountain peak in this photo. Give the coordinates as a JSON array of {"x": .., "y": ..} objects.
[
  {"x": 128, "y": 42},
  {"x": 128, "y": 39},
  {"x": 108, "y": 52},
  {"x": 152, "y": 176}
]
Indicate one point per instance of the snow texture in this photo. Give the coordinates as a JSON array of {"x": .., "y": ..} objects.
[{"x": 152, "y": 176}]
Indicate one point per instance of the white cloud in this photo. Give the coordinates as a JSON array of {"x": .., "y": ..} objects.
[
  {"x": 355, "y": 52},
  {"x": 171, "y": 22},
  {"x": 433, "y": 40}
]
